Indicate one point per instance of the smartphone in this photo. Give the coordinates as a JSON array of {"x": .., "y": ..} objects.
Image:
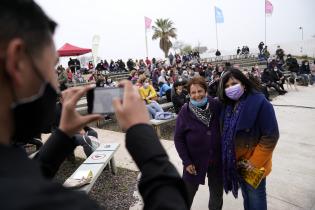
[{"x": 99, "y": 99}]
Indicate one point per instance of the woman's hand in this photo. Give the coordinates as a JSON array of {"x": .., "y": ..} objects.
[
  {"x": 246, "y": 164},
  {"x": 191, "y": 169}
]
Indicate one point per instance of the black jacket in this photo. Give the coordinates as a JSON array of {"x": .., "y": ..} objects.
[
  {"x": 26, "y": 184},
  {"x": 292, "y": 64},
  {"x": 266, "y": 77},
  {"x": 275, "y": 75},
  {"x": 179, "y": 101},
  {"x": 213, "y": 88},
  {"x": 305, "y": 69}
]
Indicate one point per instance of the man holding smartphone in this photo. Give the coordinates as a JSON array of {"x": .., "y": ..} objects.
[{"x": 28, "y": 93}]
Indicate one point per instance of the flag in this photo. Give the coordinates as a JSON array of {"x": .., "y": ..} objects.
[
  {"x": 268, "y": 7},
  {"x": 218, "y": 15},
  {"x": 147, "y": 22}
]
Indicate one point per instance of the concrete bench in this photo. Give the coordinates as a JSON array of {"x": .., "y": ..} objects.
[
  {"x": 82, "y": 103},
  {"x": 167, "y": 105},
  {"x": 79, "y": 84},
  {"x": 82, "y": 110},
  {"x": 96, "y": 163},
  {"x": 157, "y": 124}
]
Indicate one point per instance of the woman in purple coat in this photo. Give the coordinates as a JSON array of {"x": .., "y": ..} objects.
[{"x": 197, "y": 141}]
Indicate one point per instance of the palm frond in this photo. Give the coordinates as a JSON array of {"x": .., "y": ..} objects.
[{"x": 164, "y": 30}]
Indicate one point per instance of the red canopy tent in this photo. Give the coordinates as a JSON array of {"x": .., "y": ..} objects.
[{"x": 70, "y": 50}]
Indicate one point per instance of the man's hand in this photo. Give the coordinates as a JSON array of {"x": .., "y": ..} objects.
[
  {"x": 82, "y": 132},
  {"x": 131, "y": 110},
  {"x": 191, "y": 169},
  {"x": 71, "y": 121}
]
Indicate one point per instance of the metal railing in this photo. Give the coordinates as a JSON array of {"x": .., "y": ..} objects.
[{"x": 229, "y": 57}]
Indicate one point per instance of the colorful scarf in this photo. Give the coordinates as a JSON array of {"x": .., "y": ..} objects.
[
  {"x": 230, "y": 177},
  {"x": 203, "y": 115}
]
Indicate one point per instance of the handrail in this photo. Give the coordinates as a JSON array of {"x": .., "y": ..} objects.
[{"x": 229, "y": 57}]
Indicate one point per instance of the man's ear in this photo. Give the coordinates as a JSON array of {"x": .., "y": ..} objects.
[{"x": 15, "y": 56}]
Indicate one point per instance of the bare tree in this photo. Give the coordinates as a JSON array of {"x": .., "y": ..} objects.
[{"x": 178, "y": 46}]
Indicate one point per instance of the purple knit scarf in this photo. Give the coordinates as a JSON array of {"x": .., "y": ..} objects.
[{"x": 230, "y": 177}]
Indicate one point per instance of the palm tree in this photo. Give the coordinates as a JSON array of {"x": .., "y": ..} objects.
[{"x": 164, "y": 30}]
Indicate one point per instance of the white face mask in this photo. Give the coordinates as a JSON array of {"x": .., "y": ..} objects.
[
  {"x": 146, "y": 84},
  {"x": 306, "y": 64},
  {"x": 276, "y": 69}
]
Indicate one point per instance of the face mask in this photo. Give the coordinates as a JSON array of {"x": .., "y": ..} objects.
[
  {"x": 109, "y": 81},
  {"x": 146, "y": 84},
  {"x": 306, "y": 64},
  {"x": 276, "y": 69},
  {"x": 34, "y": 115},
  {"x": 234, "y": 92},
  {"x": 201, "y": 103}
]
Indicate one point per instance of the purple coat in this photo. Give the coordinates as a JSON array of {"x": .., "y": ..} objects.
[{"x": 196, "y": 143}]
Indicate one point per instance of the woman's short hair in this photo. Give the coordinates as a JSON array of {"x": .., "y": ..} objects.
[
  {"x": 132, "y": 73},
  {"x": 142, "y": 78},
  {"x": 236, "y": 74},
  {"x": 197, "y": 81}
]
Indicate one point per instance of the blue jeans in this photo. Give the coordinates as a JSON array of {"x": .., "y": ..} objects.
[
  {"x": 254, "y": 199},
  {"x": 312, "y": 79},
  {"x": 154, "y": 108}
]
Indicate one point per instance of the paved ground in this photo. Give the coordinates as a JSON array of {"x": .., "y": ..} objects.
[{"x": 291, "y": 184}]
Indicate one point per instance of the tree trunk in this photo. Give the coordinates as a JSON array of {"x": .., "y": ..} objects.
[{"x": 165, "y": 54}]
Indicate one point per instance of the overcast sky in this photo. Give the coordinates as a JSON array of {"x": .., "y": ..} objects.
[{"x": 120, "y": 23}]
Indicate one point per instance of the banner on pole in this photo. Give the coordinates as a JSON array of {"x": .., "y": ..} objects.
[
  {"x": 218, "y": 15},
  {"x": 147, "y": 23},
  {"x": 268, "y": 7}
]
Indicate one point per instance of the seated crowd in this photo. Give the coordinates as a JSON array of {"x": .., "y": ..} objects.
[
  {"x": 160, "y": 79},
  {"x": 29, "y": 91}
]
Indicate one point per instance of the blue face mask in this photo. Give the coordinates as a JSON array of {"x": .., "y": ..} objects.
[{"x": 201, "y": 103}]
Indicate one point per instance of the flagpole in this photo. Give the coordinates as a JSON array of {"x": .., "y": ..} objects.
[
  {"x": 146, "y": 43},
  {"x": 216, "y": 31},
  {"x": 265, "y": 25}
]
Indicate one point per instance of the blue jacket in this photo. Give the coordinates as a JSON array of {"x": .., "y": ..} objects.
[
  {"x": 163, "y": 89},
  {"x": 257, "y": 131}
]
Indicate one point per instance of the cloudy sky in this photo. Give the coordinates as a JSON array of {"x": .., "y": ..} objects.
[{"x": 120, "y": 23}]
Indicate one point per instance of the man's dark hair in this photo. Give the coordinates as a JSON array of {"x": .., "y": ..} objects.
[
  {"x": 24, "y": 19},
  {"x": 236, "y": 74}
]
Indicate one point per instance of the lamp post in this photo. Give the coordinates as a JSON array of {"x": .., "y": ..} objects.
[{"x": 301, "y": 28}]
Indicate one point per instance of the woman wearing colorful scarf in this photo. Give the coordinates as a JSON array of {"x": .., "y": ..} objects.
[
  {"x": 198, "y": 142},
  {"x": 249, "y": 136}
]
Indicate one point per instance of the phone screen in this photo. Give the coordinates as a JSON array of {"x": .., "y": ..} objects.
[{"x": 100, "y": 99}]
